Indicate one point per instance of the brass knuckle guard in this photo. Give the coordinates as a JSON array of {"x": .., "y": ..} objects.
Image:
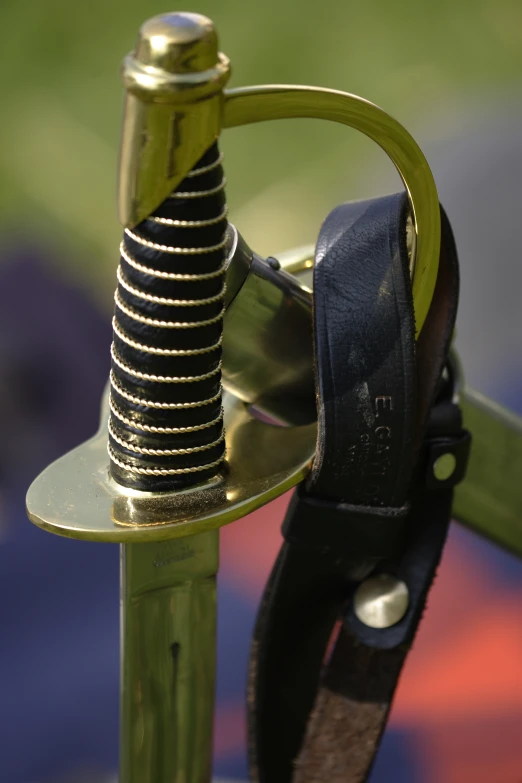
[
  {"x": 143, "y": 184},
  {"x": 167, "y": 127}
]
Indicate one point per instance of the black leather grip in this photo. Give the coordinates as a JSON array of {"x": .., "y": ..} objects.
[{"x": 166, "y": 423}]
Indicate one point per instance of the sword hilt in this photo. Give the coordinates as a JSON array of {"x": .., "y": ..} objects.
[
  {"x": 175, "y": 109},
  {"x": 166, "y": 421}
]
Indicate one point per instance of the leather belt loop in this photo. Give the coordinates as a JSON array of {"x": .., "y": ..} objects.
[{"x": 364, "y": 336}]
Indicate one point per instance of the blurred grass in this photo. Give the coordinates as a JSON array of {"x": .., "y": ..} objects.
[{"x": 62, "y": 99}]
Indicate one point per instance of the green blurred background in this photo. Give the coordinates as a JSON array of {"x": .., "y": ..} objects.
[{"x": 62, "y": 101}]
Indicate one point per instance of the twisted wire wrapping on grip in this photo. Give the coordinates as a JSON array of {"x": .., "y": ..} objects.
[{"x": 166, "y": 418}]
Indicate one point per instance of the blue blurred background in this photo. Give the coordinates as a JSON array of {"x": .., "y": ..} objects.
[{"x": 452, "y": 74}]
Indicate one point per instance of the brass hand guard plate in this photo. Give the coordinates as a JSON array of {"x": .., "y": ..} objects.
[{"x": 76, "y": 497}]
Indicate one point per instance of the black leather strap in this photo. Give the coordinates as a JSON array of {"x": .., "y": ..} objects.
[
  {"x": 364, "y": 354},
  {"x": 368, "y": 506}
]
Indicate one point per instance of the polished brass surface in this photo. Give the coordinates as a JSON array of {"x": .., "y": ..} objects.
[
  {"x": 267, "y": 345},
  {"x": 381, "y": 601},
  {"x": 76, "y": 497},
  {"x": 299, "y": 261},
  {"x": 247, "y": 105},
  {"x": 173, "y": 109},
  {"x": 444, "y": 467},
  {"x": 168, "y": 602},
  {"x": 239, "y": 257}
]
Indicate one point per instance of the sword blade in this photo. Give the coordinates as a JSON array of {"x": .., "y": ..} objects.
[{"x": 168, "y": 635}]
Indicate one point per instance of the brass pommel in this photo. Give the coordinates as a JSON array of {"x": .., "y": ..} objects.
[
  {"x": 174, "y": 80},
  {"x": 176, "y": 60},
  {"x": 178, "y": 43}
]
